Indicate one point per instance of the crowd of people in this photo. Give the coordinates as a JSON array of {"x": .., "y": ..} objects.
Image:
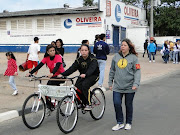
[
  {"x": 124, "y": 75},
  {"x": 170, "y": 50}
]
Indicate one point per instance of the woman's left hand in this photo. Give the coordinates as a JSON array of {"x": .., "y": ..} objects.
[
  {"x": 50, "y": 75},
  {"x": 83, "y": 75},
  {"x": 134, "y": 88}
]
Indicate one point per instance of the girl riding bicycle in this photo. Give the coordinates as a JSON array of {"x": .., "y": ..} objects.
[
  {"x": 87, "y": 65},
  {"x": 54, "y": 62}
]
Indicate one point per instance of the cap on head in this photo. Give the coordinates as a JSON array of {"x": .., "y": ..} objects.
[{"x": 36, "y": 39}]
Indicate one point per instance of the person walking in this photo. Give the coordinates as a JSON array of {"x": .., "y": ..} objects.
[
  {"x": 124, "y": 80},
  {"x": 175, "y": 53},
  {"x": 59, "y": 46},
  {"x": 145, "y": 47},
  {"x": 11, "y": 71},
  {"x": 60, "y": 49},
  {"x": 151, "y": 49},
  {"x": 101, "y": 49},
  {"x": 166, "y": 52},
  {"x": 33, "y": 54}
]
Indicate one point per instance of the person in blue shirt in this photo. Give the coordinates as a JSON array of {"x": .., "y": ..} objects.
[
  {"x": 101, "y": 49},
  {"x": 151, "y": 49}
]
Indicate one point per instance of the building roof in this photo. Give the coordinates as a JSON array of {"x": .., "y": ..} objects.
[{"x": 54, "y": 11}]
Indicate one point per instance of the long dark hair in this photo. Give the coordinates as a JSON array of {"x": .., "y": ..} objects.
[
  {"x": 49, "y": 47},
  {"x": 11, "y": 55},
  {"x": 131, "y": 46},
  {"x": 60, "y": 40},
  {"x": 165, "y": 45}
]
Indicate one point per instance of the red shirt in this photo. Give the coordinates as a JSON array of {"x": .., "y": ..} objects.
[
  {"x": 52, "y": 63},
  {"x": 11, "y": 67}
]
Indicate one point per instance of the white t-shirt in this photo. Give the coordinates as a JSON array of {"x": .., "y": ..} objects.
[{"x": 33, "y": 52}]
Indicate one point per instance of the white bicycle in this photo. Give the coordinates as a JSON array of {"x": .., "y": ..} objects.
[{"x": 34, "y": 107}]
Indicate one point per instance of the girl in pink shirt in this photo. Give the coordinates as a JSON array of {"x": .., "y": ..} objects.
[
  {"x": 54, "y": 62},
  {"x": 11, "y": 71}
]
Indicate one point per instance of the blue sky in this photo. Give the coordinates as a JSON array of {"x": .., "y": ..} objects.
[{"x": 19, "y": 5}]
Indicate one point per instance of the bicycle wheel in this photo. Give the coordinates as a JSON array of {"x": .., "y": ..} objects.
[
  {"x": 98, "y": 104},
  {"x": 67, "y": 114},
  {"x": 33, "y": 111}
]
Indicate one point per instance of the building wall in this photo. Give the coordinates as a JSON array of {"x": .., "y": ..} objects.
[
  {"x": 18, "y": 33},
  {"x": 131, "y": 18}
]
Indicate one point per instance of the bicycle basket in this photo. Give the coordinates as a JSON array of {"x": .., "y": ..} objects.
[{"x": 54, "y": 91}]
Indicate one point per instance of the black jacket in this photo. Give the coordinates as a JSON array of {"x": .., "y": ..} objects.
[{"x": 88, "y": 66}]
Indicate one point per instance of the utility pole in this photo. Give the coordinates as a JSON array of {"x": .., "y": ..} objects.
[{"x": 151, "y": 20}]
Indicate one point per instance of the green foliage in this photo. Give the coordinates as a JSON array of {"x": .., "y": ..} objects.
[
  {"x": 166, "y": 21},
  {"x": 87, "y": 3}
]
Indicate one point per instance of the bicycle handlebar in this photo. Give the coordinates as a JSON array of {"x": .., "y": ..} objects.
[{"x": 34, "y": 78}]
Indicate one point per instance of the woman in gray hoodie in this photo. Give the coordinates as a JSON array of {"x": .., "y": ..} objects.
[{"x": 124, "y": 80}]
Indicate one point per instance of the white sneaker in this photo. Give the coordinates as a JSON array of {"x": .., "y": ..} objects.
[
  {"x": 15, "y": 92},
  {"x": 153, "y": 60},
  {"x": 150, "y": 61},
  {"x": 88, "y": 108},
  {"x": 174, "y": 62},
  {"x": 117, "y": 127},
  {"x": 177, "y": 63},
  {"x": 127, "y": 127}
]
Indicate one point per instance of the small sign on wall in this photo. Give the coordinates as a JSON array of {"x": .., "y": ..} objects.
[{"x": 108, "y": 34}]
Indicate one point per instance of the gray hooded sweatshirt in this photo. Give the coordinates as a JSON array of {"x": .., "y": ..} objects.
[{"x": 124, "y": 73}]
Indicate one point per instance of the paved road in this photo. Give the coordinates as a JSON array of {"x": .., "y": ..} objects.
[{"x": 156, "y": 112}]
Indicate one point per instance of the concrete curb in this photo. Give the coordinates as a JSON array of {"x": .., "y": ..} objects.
[{"x": 9, "y": 115}]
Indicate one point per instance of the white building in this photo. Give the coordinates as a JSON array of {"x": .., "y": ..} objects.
[{"x": 72, "y": 25}]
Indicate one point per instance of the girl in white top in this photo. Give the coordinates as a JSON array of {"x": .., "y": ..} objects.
[{"x": 175, "y": 53}]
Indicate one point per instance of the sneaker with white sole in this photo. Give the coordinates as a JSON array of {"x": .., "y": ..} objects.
[
  {"x": 118, "y": 127},
  {"x": 88, "y": 108},
  {"x": 150, "y": 61},
  {"x": 127, "y": 127},
  {"x": 15, "y": 92},
  {"x": 153, "y": 60}
]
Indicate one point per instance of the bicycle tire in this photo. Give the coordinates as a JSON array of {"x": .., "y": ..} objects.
[
  {"x": 98, "y": 103},
  {"x": 31, "y": 118},
  {"x": 62, "y": 113}
]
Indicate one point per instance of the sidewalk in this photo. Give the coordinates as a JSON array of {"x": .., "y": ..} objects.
[{"x": 8, "y": 102}]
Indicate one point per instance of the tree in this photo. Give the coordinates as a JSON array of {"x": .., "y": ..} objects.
[{"x": 87, "y": 3}]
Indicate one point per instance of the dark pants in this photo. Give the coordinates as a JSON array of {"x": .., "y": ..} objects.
[
  {"x": 166, "y": 56},
  {"x": 145, "y": 52},
  {"x": 84, "y": 85},
  {"x": 117, "y": 99},
  {"x": 48, "y": 99}
]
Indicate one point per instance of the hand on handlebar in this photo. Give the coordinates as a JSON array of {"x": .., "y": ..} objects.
[
  {"x": 50, "y": 75},
  {"x": 83, "y": 75},
  {"x": 59, "y": 76},
  {"x": 28, "y": 75}
]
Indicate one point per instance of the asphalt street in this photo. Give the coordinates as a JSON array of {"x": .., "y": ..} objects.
[{"x": 156, "y": 112}]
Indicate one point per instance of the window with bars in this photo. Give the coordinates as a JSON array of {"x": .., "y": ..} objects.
[
  {"x": 48, "y": 24},
  {"x": 2, "y": 25},
  {"x": 21, "y": 26}
]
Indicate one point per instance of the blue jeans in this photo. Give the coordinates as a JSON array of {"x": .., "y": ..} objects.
[
  {"x": 153, "y": 54},
  {"x": 12, "y": 83},
  {"x": 117, "y": 99},
  {"x": 175, "y": 56},
  {"x": 102, "y": 65},
  {"x": 171, "y": 55}
]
